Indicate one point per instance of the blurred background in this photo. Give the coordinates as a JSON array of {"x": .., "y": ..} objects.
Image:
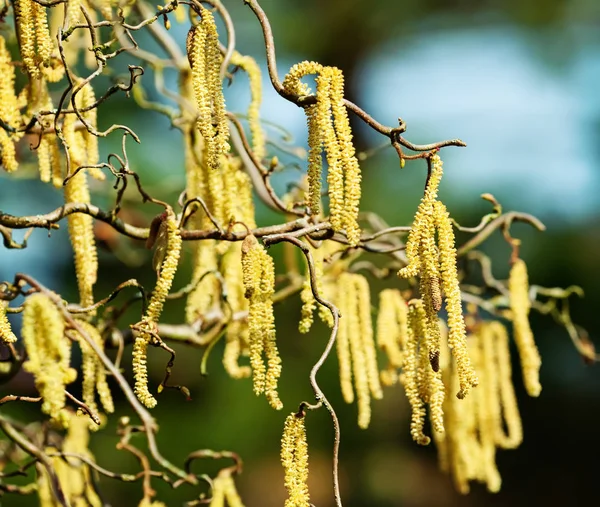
[{"x": 517, "y": 80}]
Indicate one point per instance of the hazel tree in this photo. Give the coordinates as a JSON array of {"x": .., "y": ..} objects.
[{"x": 442, "y": 339}]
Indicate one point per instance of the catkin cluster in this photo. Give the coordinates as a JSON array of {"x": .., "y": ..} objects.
[
  {"x": 392, "y": 332},
  {"x": 224, "y": 491},
  {"x": 35, "y": 42},
  {"x": 205, "y": 60},
  {"x": 520, "y": 305},
  {"x": 227, "y": 194},
  {"x": 329, "y": 130},
  {"x": 82, "y": 150},
  {"x": 485, "y": 421},
  {"x": 48, "y": 353},
  {"x": 435, "y": 263},
  {"x": 421, "y": 373},
  {"x": 169, "y": 232},
  {"x": 9, "y": 109},
  {"x": 294, "y": 458},
  {"x": 73, "y": 474},
  {"x": 259, "y": 282},
  {"x": 93, "y": 372},
  {"x": 81, "y": 232},
  {"x": 355, "y": 345},
  {"x": 237, "y": 335}
]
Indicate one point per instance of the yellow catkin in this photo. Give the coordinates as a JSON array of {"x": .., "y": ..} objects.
[
  {"x": 315, "y": 161},
  {"x": 140, "y": 371},
  {"x": 44, "y": 158},
  {"x": 249, "y": 65},
  {"x": 410, "y": 371},
  {"x": 25, "y": 27},
  {"x": 348, "y": 160},
  {"x": 9, "y": 109},
  {"x": 237, "y": 331},
  {"x": 167, "y": 270},
  {"x": 363, "y": 293},
  {"x": 513, "y": 436},
  {"x": 329, "y": 127},
  {"x": 475, "y": 425},
  {"x": 343, "y": 299},
  {"x": 294, "y": 458},
  {"x": 259, "y": 282},
  {"x": 166, "y": 275},
  {"x": 423, "y": 220},
  {"x": 94, "y": 373},
  {"x": 48, "y": 353},
  {"x": 392, "y": 332},
  {"x": 6, "y": 333},
  {"x": 518, "y": 286},
  {"x": 356, "y": 347},
  {"x": 456, "y": 323},
  {"x": 224, "y": 491},
  {"x": 74, "y": 475},
  {"x": 81, "y": 232},
  {"x": 205, "y": 60},
  {"x": 56, "y": 161},
  {"x": 488, "y": 405}
]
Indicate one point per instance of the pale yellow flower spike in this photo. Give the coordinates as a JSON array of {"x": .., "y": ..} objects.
[
  {"x": 315, "y": 161},
  {"x": 360, "y": 365},
  {"x": 249, "y": 65},
  {"x": 513, "y": 436},
  {"x": 316, "y": 116},
  {"x": 166, "y": 275},
  {"x": 488, "y": 409},
  {"x": 388, "y": 333},
  {"x": 224, "y": 491},
  {"x": 348, "y": 160},
  {"x": 43, "y": 38},
  {"x": 270, "y": 344},
  {"x": 48, "y": 352},
  {"x": 294, "y": 458},
  {"x": 335, "y": 170},
  {"x": 363, "y": 293},
  {"x": 73, "y": 474},
  {"x": 423, "y": 219},
  {"x": 205, "y": 60},
  {"x": 457, "y": 340},
  {"x": 409, "y": 377},
  {"x": 518, "y": 286},
  {"x": 344, "y": 300},
  {"x": 259, "y": 281},
  {"x": 218, "y": 492},
  {"x": 237, "y": 331},
  {"x": 6, "y": 334},
  {"x": 167, "y": 269},
  {"x": 9, "y": 109},
  {"x": 81, "y": 232},
  {"x": 25, "y": 26},
  {"x": 94, "y": 374},
  {"x": 44, "y": 158},
  {"x": 140, "y": 371}
]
